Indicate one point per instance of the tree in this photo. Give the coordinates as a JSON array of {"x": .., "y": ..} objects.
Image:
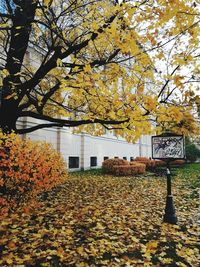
[
  {"x": 192, "y": 151},
  {"x": 95, "y": 64}
]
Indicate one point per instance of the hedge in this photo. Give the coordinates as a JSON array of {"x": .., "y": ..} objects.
[
  {"x": 108, "y": 164},
  {"x": 123, "y": 167},
  {"x": 148, "y": 162}
]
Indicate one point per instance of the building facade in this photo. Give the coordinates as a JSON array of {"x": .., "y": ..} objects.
[{"x": 83, "y": 151}]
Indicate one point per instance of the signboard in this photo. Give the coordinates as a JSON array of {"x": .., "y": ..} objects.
[{"x": 168, "y": 147}]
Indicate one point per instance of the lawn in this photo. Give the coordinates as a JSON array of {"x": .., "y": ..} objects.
[{"x": 101, "y": 220}]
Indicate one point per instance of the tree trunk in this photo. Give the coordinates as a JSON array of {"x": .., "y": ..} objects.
[{"x": 8, "y": 116}]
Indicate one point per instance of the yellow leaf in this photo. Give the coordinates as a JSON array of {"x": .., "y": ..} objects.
[
  {"x": 9, "y": 261},
  {"x": 5, "y": 72},
  {"x": 151, "y": 246},
  {"x": 87, "y": 68},
  {"x": 181, "y": 264},
  {"x": 99, "y": 226},
  {"x": 80, "y": 250},
  {"x": 59, "y": 62},
  {"x": 4, "y": 25},
  {"x": 46, "y": 2},
  {"x": 69, "y": 232}
]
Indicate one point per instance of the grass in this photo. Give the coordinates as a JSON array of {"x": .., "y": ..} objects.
[
  {"x": 189, "y": 169},
  {"x": 190, "y": 176}
]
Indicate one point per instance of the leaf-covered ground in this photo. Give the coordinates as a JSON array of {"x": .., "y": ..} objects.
[{"x": 100, "y": 220}]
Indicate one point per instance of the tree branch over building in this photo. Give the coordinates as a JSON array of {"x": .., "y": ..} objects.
[{"x": 113, "y": 64}]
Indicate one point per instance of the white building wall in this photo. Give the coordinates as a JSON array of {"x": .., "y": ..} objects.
[
  {"x": 145, "y": 143},
  {"x": 85, "y": 146},
  {"x": 48, "y": 135},
  {"x": 70, "y": 145},
  {"x": 101, "y": 147}
]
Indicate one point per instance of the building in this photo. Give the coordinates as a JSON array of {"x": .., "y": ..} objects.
[{"x": 83, "y": 151}]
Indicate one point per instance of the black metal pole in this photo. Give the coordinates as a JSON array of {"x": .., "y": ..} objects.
[
  {"x": 170, "y": 213},
  {"x": 169, "y": 186}
]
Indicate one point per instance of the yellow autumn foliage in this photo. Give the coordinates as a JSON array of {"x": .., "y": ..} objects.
[{"x": 121, "y": 64}]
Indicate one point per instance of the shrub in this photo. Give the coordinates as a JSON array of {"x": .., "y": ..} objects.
[
  {"x": 123, "y": 167},
  {"x": 192, "y": 152},
  {"x": 109, "y": 164},
  {"x": 178, "y": 162},
  {"x": 141, "y": 158},
  {"x": 148, "y": 162},
  {"x": 160, "y": 163},
  {"x": 137, "y": 167},
  {"x": 121, "y": 170},
  {"x": 27, "y": 168}
]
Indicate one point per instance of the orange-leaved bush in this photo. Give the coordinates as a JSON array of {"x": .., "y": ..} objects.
[
  {"x": 132, "y": 169},
  {"x": 27, "y": 168},
  {"x": 178, "y": 162},
  {"x": 137, "y": 167},
  {"x": 123, "y": 167},
  {"x": 160, "y": 163},
  {"x": 148, "y": 162},
  {"x": 109, "y": 164},
  {"x": 121, "y": 170}
]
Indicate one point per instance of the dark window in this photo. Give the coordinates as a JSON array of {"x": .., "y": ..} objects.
[
  {"x": 73, "y": 162},
  {"x": 105, "y": 158},
  {"x": 125, "y": 158},
  {"x": 93, "y": 161},
  {"x": 116, "y": 157},
  {"x": 131, "y": 158}
]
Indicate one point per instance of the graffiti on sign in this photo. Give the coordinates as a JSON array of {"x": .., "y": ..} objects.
[{"x": 164, "y": 147}]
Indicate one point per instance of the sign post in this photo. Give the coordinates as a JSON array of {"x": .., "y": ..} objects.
[{"x": 168, "y": 147}]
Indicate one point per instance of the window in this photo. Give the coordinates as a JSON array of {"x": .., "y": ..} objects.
[
  {"x": 73, "y": 162},
  {"x": 105, "y": 158},
  {"x": 93, "y": 161},
  {"x": 116, "y": 157},
  {"x": 125, "y": 158},
  {"x": 131, "y": 158}
]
